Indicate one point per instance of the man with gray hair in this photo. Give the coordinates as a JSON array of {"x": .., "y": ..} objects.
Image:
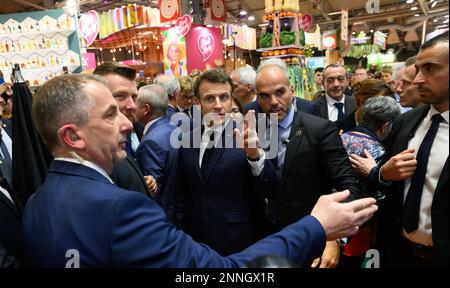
[
  {"x": 172, "y": 87},
  {"x": 397, "y": 76},
  {"x": 409, "y": 94},
  {"x": 244, "y": 84},
  {"x": 79, "y": 218},
  {"x": 155, "y": 155}
]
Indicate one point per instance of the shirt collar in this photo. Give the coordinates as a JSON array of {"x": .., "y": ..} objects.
[
  {"x": 89, "y": 164},
  {"x": 434, "y": 111},
  {"x": 147, "y": 126},
  {"x": 332, "y": 101}
]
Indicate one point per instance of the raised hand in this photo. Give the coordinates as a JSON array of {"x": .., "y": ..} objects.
[
  {"x": 248, "y": 138},
  {"x": 400, "y": 166}
]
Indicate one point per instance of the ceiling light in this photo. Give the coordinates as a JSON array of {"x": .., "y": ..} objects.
[
  {"x": 433, "y": 3},
  {"x": 251, "y": 18},
  {"x": 409, "y": 1},
  {"x": 434, "y": 20},
  {"x": 445, "y": 21},
  {"x": 417, "y": 14},
  {"x": 243, "y": 12},
  {"x": 414, "y": 8}
]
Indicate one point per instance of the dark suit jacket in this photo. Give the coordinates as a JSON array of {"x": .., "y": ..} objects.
[
  {"x": 7, "y": 126},
  {"x": 77, "y": 208},
  {"x": 138, "y": 129},
  {"x": 302, "y": 105},
  {"x": 128, "y": 175},
  {"x": 156, "y": 156},
  {"x": 224, "y": 206},
  {"x": 404, "y": 129},
  {"x": 322, "y": 106},
  {"x": 10, "y": 238},
  {"x": 315, "y": 163}
]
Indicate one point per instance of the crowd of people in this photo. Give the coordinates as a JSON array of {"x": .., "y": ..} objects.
[{"x": 218, "y": 170}]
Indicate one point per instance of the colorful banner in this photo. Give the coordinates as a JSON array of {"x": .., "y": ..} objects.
[
  {"x": 218, "y": 11},
  {"x": 206, "y": 52},
  {"x": 174, "y": 51},
  {"x": 329, "y": 40},
  {"x": 89, "y": 61},
  {"x": 169, "y": 10},
  {"x": 89, "y": 24}
]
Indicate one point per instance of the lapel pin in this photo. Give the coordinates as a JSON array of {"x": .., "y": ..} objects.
[{"x": 298, "y": 133}]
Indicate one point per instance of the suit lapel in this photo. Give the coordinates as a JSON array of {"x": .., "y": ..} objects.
[
  {"x": 443, "y": 178},
  {"x": 411, "y": 127},
  {"x": 295, "y": 137},
  {"x": 9, "y": 204},
  {"x": 323, "y": 107}
]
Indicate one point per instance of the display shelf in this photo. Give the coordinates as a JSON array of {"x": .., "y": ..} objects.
[
  {"x": 283, "y": 56},
  {"x": 280, "y": 48},
  {"x": 40, "y": 52},
  {"x": 33, "y": 35}
]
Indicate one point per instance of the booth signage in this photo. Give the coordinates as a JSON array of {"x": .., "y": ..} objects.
[
  {"x": 307, "y": 21},
  {"x": 169, "y": 10},
  {"x": 184, "y": 25},
  {"x": 217, "y": 10},
  {"x": 89, "y": 25}
]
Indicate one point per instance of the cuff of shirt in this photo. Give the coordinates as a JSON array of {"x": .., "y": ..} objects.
[{"x": 257, "y": 166}]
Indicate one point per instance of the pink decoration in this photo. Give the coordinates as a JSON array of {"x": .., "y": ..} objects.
[
  {"x": 307, "y": 21},
  {"x": 89, "y": 24},
  {"x": 184, "y": 25}
]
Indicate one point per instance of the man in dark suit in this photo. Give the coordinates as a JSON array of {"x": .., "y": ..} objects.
[
  {"x": 334, "y": 105},
  {"x": 120, "y": 81},
  {"x": 10, "y": 240},
  {"x": 414, "y": 220},
  {"x": 155, "y": 154},
  {"x": 220, "y": 189},
  {"x": 311, "y": 159},
  {"x": 79, "y": 218}
]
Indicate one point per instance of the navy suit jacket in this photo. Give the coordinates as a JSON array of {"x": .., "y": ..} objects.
[
  {"x": 7, "y": 125},
  {"x": 223, "y": 206},
  {"x": 156, "y": 156},
  {"x": 10, "y": 240},
  {"x": 77, "y": 208},
  {"x": 302, "y": 105}
]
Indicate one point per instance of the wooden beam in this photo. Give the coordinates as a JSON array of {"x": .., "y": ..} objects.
[{"x": 26, "y": 3}]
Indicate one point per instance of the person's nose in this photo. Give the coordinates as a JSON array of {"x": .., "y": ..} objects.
[
  {"x": 418, "y": 79},
  {"x": 399, "y": 88},
  {"x": 125, "y": 125},
  {"x": 273, "y": 101},
  {"x": 130, "y": 104},
  {"x": 217, "y": 104}
]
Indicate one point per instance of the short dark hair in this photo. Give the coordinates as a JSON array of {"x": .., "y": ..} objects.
[
  {"x": 320, "y": 69},
  {"x": 333, "y": 65},
  {"x": 212, "y": 76},
  {"x": 114, "y": 68},
  {"x": 435, "y": 40}
]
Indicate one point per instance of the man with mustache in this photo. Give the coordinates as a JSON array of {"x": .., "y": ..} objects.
[{"x": 311, "y": 159}]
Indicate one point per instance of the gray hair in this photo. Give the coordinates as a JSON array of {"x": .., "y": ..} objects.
[
  {"x": 170, "y": 83},
  {"x": 155, "y": 96},
  {"x": 277, "y": 62},
  {"x": 61, "y": 100},
  {"x": 410, "y": 61},
  {"x": 395, "y": 70},
  {"x": 377, "y": 111},
  {"x": 247, "y": 75}
]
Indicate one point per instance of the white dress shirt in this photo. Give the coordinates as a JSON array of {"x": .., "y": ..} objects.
[
  {"x": 89, "y": 164},
  {"x": 5, "y": 192},
  {"x": 255, "y": 166},
  {"x": 438, "y": 156},
  {"x": 8, "y": 143},
  {"x": 332, "y": 110}
]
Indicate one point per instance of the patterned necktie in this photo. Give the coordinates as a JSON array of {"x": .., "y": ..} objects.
[
  {"x": 411, "y": 208},
  {"x": 4, "y": 150}
]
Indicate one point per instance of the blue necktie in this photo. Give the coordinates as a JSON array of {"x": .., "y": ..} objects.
[
  {"x": 340, "y": 108},
  {"x": 411, "y": 208},
  {"x": 129, "y": 147}
]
